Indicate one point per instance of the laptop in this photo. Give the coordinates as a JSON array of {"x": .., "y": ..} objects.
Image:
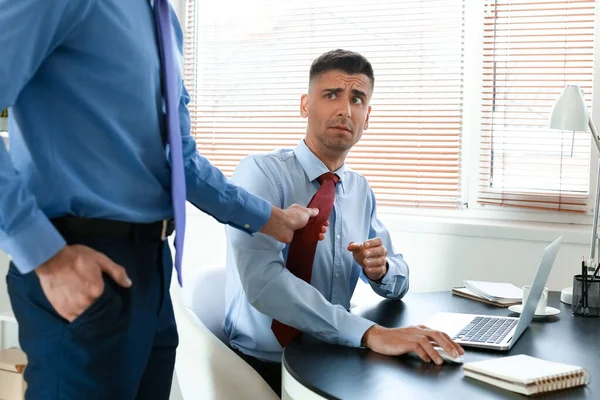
[{"x": 491, "y": 331}]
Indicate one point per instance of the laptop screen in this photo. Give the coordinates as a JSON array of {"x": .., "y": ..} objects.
[{"x": 537, "y": 287}]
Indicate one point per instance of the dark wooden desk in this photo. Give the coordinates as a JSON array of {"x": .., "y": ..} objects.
[{"x": 337, "y": 372}]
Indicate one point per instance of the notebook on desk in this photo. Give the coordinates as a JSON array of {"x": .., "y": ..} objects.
[
  {"x": 467, "y": 293},
  {"x": 527, "y": 375},
  {"x": 495, "y": 291}
]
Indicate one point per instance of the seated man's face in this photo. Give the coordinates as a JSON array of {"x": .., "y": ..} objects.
[{"x": 337, "y": 108}]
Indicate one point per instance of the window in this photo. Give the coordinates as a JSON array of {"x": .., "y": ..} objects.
[
  {"x": 255, "y": 58},
  {"x": 532, "y": 49},
  {"x": 247, "y": 65}
]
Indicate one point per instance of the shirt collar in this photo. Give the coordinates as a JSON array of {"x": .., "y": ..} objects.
[{"x": 313, "y": 167}]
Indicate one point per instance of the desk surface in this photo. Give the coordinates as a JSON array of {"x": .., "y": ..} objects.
[{"x": 337, "y": 372}]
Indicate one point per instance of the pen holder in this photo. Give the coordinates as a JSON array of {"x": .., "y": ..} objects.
[{"x": 586, "y": 296}]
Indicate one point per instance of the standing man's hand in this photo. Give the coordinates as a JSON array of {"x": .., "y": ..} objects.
[
  {"x": 417, "y": 339},
  {"x": 371, "y": 256},
  {"x": 283, "y": 223},
  {"x": 72, "y": 279}
]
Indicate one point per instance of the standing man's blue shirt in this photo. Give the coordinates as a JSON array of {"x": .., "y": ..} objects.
[
  {"x": 260, "y": 288},
  {"x": 86, "y": 126}
]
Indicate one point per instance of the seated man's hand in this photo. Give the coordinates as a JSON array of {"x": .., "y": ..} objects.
[
  {"x": 416, "y": 339},
  {"x": 371, "y": 256},
  {"x": 283, "y": 223}
]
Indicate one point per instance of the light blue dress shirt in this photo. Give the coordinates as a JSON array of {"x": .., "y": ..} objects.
[
  {"x": 260, "y": 288},
  {"x": 82, "y": 80}
]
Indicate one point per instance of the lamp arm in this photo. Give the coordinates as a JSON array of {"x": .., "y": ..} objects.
[
  {"x": 592, "y": 260},
  {"x": 594, "y": 133}
]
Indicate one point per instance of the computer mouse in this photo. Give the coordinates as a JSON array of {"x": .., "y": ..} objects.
[{"x": 447, "y": 357}]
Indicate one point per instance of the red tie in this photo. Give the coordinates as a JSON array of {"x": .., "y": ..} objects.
[{"x": 301, "y": 253}]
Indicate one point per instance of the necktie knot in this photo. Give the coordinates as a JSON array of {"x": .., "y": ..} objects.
[{"x": 328, "y": 176}]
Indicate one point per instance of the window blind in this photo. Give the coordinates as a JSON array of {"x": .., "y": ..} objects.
[
  {"x": 532, "y": 49},
  {"x": 247, "y": 65}
]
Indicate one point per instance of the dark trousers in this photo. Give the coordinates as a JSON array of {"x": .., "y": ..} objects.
[
  {"x": 122, "y": 347},
  {"x": 270, "y": 371}
]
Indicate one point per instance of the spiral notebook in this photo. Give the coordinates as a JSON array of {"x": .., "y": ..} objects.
[{"x": 527, "y": 375}]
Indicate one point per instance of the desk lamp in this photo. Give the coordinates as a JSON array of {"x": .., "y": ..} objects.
[{"x": 570, "y": 113}]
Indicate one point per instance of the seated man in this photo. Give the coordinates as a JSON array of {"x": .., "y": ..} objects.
[{"x": 274, "y": 291}]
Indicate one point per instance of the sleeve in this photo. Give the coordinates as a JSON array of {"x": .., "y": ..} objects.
[
  {"x": 271, "y": 288},
  {"x": 394, "y": 284},
  {"x": 31, "y": 31},
  {"x": 207, "y": 187}
]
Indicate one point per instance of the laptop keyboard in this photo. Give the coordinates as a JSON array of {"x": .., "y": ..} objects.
[{"x": 486, "y": 330}]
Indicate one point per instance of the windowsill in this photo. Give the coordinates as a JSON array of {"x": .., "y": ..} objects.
[
  {"x": 457, "y": 223},
  {"x": 488, "y": 228}
]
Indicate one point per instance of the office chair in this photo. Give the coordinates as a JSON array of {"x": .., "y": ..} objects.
[{"x": 206, "y": 367}]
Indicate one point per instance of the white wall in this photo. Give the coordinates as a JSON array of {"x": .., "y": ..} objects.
[
  {"x": 441, "y": 253},
  {"x": 10, "y": 333},
  {"x": 179, "y": 6}
]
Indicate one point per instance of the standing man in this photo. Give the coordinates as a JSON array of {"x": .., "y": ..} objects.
[{"x": 101, "y": 157}]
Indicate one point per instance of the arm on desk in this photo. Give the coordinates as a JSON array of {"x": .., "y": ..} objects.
[{"x": 418, "y": 339}]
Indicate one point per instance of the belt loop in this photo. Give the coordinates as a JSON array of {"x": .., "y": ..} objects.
[{"x": 163, "y": 232}]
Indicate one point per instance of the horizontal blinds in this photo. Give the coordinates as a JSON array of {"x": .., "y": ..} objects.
[
  {"x": 532, "y": 49},
  {"x": 247, "y": 65}
]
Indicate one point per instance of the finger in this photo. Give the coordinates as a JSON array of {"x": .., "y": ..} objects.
[
  {"x": 313, "y": 212},
  {"x": 354, "y": 247},
  {"x": 431, "y": 352},
  {"x": 115, "y": 271},
  {"x": 444, "y": 342},
  {"x": 375, "y": 262},
  {"x": 372, "y": 243},
  {"x": 77, "y": 306},
  {"x": 374, "y": 252},
  {"x": 375, "y": 270},
  {"x": 458, "y": 347},
  {"x": 421, "y": 353},
  {"x": 323, "y": 232},
  {"x": 69, "y": 309},
  {"x": 95, "y": 287}
]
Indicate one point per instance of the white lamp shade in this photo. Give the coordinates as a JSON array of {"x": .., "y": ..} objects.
[{"x": 570, "y": 112}]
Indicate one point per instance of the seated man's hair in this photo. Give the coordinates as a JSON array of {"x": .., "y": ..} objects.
[{"x": 344, "y": 60}]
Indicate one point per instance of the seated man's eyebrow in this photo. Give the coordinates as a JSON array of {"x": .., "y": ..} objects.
[
  {"x": 355, "y": 92},
  {"x": 359, "y": 93},
  {"x": 333, "y": 90}
]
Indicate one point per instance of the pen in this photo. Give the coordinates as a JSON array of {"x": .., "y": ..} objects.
[{"x": 583, "y": 284}]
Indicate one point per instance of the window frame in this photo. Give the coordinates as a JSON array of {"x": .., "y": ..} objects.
[
  {"x": 474, "y": 30},
  {"x": 471, "y": 136}
]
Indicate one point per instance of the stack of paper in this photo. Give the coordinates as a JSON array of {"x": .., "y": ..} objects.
[
  {"x": 495, "y": 291},
  {"x": 496, "y": 294}
]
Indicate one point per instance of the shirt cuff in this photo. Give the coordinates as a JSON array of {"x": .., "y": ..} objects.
[
  {"x": 35, "y": 243},
  {"x": 253, "y": 215},
  {"x": 352, "y": 328}
]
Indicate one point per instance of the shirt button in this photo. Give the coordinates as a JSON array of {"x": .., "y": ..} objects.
[
  {"x": 247, "y": 226},
  {"x": 339, "y": 236},
  {"x": 337, "y": 275}
]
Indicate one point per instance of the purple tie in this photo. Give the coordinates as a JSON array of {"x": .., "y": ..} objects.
[{"x": 170, "y": 96}]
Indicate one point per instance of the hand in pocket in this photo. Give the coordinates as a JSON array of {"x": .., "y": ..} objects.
[{"x": 72, "y": 279}]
